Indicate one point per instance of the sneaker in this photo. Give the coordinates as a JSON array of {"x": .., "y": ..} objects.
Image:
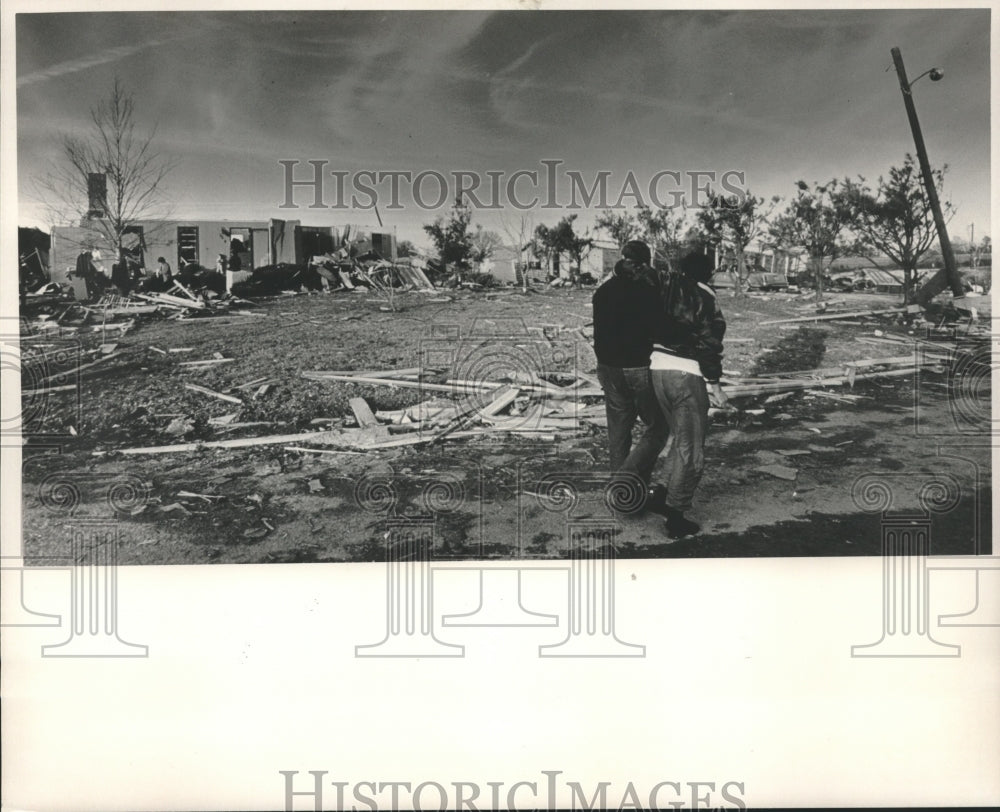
[{"x": 678, "y": 527}]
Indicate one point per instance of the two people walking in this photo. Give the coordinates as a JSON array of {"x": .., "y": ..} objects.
[{"x": 658, "y": 339}]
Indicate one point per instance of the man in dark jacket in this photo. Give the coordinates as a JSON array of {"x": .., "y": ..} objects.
[
  {"x": 686, "y": 362},
  {"x": 625, "y": 311}
]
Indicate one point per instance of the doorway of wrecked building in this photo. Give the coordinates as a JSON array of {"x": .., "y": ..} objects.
[
  {"x": 134, "y": 247},
  {"x": 316, "y": 241},
  {"x": 187, "y": 246},
  {"x": 240, "y": 249}
]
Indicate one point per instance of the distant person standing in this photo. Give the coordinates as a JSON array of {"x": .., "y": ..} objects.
[
  {"x": 121, "y": 274},
  {"x": 87, "y": 271},
  {"x": 625, "y": 311},
  {"x": 164, "y": 275}
]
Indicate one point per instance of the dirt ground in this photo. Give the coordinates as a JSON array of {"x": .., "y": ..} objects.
[{"x": 268, "y": 504}]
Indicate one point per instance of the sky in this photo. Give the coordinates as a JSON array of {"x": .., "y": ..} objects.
[{"x": 776, "y": 95}]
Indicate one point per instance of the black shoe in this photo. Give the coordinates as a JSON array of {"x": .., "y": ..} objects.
[
  {"x": 678, "y": 527},
  {"x": 656, "y": 500}
]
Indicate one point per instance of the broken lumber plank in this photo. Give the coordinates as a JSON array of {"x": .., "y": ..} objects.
[
  {"x": 323, "y": 450},
  {"x": 495, "y": 406},
  {"x": 363, "y": 413},
  {"x": 212, "y": 393},
  {"x": 254, "y": 382},
  {"x": 834, "y": 396},
  {"x": 460, "y": 435},
  {"x": 480, "y": 386},
  {"x": 500, "y": 402},
  {"x": 184, "y": 290},
  {"x": 243, "y": 442},
  {"x": 75, "y": 370},
  {"x": 176, "y": 301},
  {"x": 47, "y": 390},
  {"x": 206, "y": 362},
  {"x": 419, "y": 274},
  {"x": 138, "y": 310},
  {"x": 833, "y": 316},
  {"x": 823, "y": 372},
  {"x": 378, "y": 373},
  {"x": 782, "y": 386}
]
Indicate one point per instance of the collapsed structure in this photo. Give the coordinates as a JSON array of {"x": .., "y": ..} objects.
[{"x": 243, "y": 245}]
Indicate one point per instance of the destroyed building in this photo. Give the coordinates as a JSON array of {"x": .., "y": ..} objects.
[{"x": 244, "y": 244}]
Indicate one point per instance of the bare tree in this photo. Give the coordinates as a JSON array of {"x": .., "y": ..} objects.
[
  {"x": 663, "y": 230},
  {"x": 518, "y": 232},
  {"x": 109, "y": 178},
  {"x": 621, "y": 227}
]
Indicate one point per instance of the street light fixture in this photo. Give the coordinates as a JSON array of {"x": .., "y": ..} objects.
[{"x": 951, "y": 271}]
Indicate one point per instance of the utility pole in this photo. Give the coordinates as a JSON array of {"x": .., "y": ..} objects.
[{"x": 950, "y": 269}]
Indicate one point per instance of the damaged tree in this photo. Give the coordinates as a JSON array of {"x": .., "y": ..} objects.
[
  {"x": 110, "y": 178},
  {"x": 895, "y": 220},
  {"x": 816, "y": 219},
  {"x": 735, "y": 221},
  {"x": 453, "y": 239}
]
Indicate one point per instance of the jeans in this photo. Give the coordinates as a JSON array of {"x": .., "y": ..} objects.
[
  {"x": 628, "y": 393},
  {"x": 683, "y": 398}
]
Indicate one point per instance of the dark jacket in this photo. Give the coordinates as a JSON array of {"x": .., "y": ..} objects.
[
  {"x": 625, "y": 311},
  {"x": 85, "y": 268},
  {"x": 690, "y": 323}
]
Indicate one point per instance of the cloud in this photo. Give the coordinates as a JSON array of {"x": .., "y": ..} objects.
[{"x": 93, "y": 60}]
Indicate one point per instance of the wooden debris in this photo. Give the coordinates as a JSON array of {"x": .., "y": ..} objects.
[
  {"x": 75, "y": 370},
  {"x": 323, "y": 450},
  {"x": 832, "y": 316},
  {"x": 842, "y": 398},
  {"x": 184, "y": 290},
  {"x": 212, "y": 393},
  {"x": 173, "y": 301},
  {"x": 363, "y": 413},
  {"x": 47, "y": 390},
  {"x": 223, "y": 420},
  {"x": 243, "y": 442},
  {"x": 206, "y": 362}
]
